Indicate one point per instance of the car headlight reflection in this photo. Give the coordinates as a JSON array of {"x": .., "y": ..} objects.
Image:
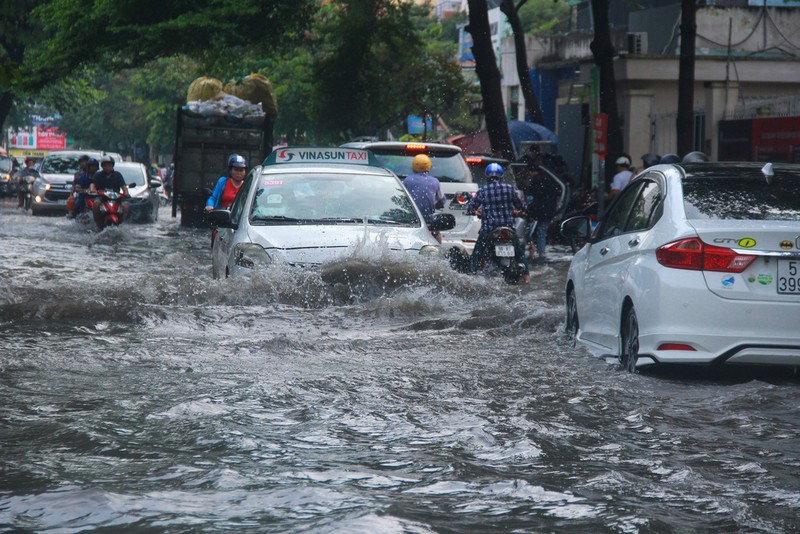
[
  {"x": 430, "y": 251},
  {"x": 250, "y": 256}
]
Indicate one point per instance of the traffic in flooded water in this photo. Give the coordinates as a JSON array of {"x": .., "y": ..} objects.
[{"x": 380, "y": 393}]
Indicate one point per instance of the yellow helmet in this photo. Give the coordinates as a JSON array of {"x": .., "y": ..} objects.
[{"x": 421, "y": 163}]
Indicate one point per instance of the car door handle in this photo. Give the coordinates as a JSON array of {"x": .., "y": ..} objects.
[
  {"x": 604, "y": 251},
  {"x": 634, "y": 242}
]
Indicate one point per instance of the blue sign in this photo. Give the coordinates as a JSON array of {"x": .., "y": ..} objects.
[{"x": 415, "y": 125}]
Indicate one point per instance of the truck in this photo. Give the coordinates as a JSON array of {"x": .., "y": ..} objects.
[{"x": 202, "y": 148}]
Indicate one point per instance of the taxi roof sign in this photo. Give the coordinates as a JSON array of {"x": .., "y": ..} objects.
[{"x": 352, "y": 156}]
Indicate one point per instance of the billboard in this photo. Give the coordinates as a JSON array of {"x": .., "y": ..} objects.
[{"x": 38, "y": 138}]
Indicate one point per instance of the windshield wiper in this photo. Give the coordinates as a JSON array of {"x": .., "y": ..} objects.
[
  {"x": 274, "y": 218},
  {"x": 378, "y": 220},
  {"x": 341, "y": 219}
]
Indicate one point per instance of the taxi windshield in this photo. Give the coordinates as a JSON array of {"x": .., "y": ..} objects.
[{"x": 331, "y": 198}]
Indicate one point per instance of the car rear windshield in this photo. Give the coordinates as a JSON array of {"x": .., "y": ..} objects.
[
  {"x": 743, "y": 198},
  {"x": 61, "y": 164},
  {"x": 447, "y": 166},
  {"x": 133, "y": 175}
]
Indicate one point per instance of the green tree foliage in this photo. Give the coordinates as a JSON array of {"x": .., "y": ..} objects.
[
  {"x": 366, "y": 65},
  {"x": 543, "y": 17},
  {"x": 133, "y": 107},
  {"x": 126, "y": 33}
]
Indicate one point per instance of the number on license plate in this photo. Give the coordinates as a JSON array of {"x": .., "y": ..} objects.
[
  {"x": 789, "y": 277},
  {"x": 504, "y": 251}
]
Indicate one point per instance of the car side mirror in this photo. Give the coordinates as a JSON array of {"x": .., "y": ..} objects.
[
  {"x": 155, "y": 183},
  {"x": 579, "y": 227},
  {"x": 220, "y": 219},
  {"x": 443, "y": 221}
]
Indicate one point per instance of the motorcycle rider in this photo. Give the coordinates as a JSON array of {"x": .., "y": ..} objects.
[
  {"x": 497, "y": 203},
  {"x": 227, "y": 186},
  {"x": 23, "y": 176},
  {"x": 107, "y": 178},
  {"x": 81, "y": 187},
  {"x": 425, "y": 190}
]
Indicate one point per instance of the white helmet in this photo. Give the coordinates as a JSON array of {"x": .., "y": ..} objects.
[{"x": 622, "y": 160}]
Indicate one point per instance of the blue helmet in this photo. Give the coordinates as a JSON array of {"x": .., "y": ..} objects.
[
  {"x": 494, "y": 171},
  {"x": 92, "y": 161},
  {"x": 237, "y": 161},
  {"x": 670, "y": 158}
]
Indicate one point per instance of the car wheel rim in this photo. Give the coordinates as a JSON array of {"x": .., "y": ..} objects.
[
  {"x": 630, "y": 347},
  {"x": 572, "y": 317}
]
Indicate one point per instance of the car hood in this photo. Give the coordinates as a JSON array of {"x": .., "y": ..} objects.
[{"x": 317, "y": 244}]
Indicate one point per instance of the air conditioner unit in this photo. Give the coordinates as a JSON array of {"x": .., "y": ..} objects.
[{"x": 637, "y": 43}]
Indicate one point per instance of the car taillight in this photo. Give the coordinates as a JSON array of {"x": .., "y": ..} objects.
[
  {"x": 472, "y": 160},
  {"x": 695, "y": 255},
  {"x": 463, "y": 198},
  {"x": 415, "y": 147}
]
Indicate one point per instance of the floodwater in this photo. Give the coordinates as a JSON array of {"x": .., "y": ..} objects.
[{"x": 380, "y": 395}]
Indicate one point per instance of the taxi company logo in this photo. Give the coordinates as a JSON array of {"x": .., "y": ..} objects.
[
  {"x": 728, "y": 281},
  {"x": 285, "y": 155},
  {"x": 747, "y": 242},
  {"x": 786, "y": 244},
  {"x": 765, "y": 279}
]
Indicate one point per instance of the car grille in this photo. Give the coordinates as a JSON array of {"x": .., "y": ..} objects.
[{"x": 55, "y": 196}]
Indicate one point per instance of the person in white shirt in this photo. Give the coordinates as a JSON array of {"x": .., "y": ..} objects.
[{"x": 622, "y": 176}]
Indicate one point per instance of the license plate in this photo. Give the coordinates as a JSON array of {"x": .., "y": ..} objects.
[
  {"x": 504, "y": 251},
  {"x": 789, "y": 277}
]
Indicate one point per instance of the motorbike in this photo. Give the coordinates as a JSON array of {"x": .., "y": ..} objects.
[
  {"x": 26, "y": 185},
  {"x": 110, "y": 207},
  {"x": 502, "y": 255}
]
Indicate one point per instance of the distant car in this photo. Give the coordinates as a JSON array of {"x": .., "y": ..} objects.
[
  {"x": 144, "y": 201},
  {"x": 308, "y": 206},
  {"x": 8, "y": 167},
  {"x": 51, "y": 191},
  {"x": 452, "y": 171},
  {"x": 478, "y": 163},
  {"x": 692, "y": 264}
]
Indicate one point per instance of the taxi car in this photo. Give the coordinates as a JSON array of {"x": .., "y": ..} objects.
[
  {"x": 692, "y": 264},
  {"x": 306, "y": 206},
  {"x": 51, "y": 190},
  {"x": 450, "y": 168},
  {"x": 143, "y": 201}
]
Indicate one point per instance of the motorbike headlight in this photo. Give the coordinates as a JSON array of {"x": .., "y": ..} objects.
[
  {"x": 430, "y": 251},
  {"x": 250, "y": 256}
]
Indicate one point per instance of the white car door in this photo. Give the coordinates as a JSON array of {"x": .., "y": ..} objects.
[{"x": 616, "y": 247}]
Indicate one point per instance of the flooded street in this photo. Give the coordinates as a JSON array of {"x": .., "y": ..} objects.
[{"x": 379, "y": 395}]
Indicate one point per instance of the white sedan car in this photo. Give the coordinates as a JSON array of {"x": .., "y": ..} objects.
[
  {"x": 307, "y": 206},
  {"x": 692, "y": 264}
]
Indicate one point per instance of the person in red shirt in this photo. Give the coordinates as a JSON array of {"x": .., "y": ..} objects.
[{"x": 227, "y": 186}]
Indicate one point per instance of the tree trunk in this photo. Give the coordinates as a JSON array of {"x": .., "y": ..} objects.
[
  {"x": 489, "y": 76},
  {"x": 6, "y": 101},
  {"x": 532, "y": 107},
  {"x": 685, "y": 120},
  {"x": 603, "y": 52}
]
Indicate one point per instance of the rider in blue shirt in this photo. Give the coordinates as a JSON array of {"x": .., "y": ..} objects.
[
  {"x": 498, "y": 203},
  {"x": 81, "y": 186}
]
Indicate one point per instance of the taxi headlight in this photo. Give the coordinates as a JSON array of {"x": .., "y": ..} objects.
[
  {"x": 430, "y": 251},
  {"x": 250, "y": 255}
]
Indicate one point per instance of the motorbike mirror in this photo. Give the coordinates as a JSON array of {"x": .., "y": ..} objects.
[
  {"x": 443, "y": 221},
  {"x": 576, "y": 227},
  {"x": 220, "y": 218}
]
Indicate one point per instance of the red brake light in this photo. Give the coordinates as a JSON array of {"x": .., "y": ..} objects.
[
  {"x": 415, "y": 146},
  {"x": 695, "y": 255},
  {"x": 472, "y": 160}
]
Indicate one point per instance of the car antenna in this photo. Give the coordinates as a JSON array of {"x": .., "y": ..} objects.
[{"x": 768, "y": 173}]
